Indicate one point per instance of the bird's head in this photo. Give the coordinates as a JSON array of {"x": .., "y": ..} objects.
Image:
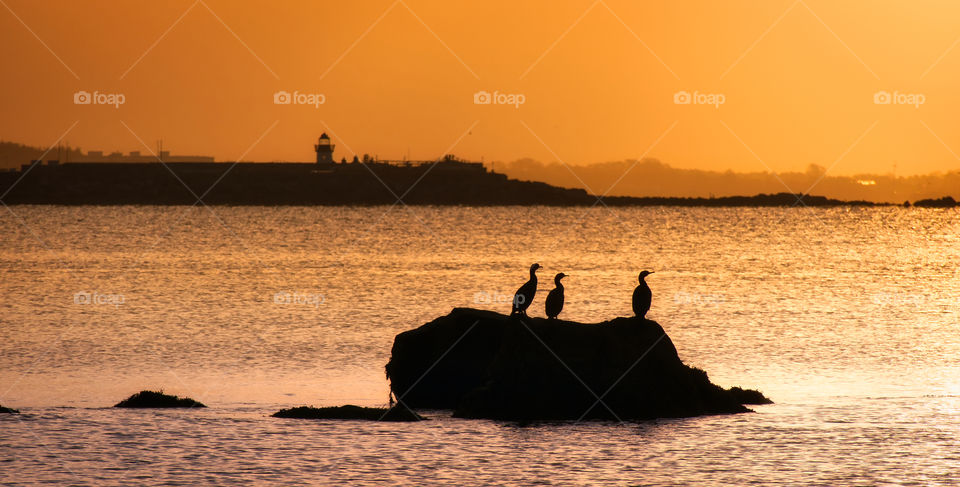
[
  {"x": 534, "y": 268},
  {"x": 559, "y": 276},
  {"x": 644, "y": 274}
]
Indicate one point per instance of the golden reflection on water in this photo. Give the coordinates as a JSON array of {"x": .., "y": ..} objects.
[
  {"x": 848, "y": 318},
  {"x": 277, "y": 305}
]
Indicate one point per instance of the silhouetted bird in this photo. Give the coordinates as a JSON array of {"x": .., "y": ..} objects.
[
  {"x": 554, "y": 304},
  {"x": 524, "y": 295},
  {"x": 642, "y": 296}
]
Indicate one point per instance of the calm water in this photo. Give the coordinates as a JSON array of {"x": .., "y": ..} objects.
[{"x": 847, "y": 318}]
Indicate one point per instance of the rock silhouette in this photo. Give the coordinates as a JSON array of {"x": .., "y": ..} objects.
[
  {"x": 945, "y": 202},
  {"x": 482, "y": 364},
  {"x": 155, "y": 399},
  {"x": 4, "y": 410},
  {"x": 397, "y": 413}
]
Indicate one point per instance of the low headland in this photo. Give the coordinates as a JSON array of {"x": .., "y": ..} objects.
[
  {"x": 483, "y": 364},
  {"x": 448, "y": 182}
]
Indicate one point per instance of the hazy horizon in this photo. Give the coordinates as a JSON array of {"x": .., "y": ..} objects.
[{"x": 777, "y": 86}]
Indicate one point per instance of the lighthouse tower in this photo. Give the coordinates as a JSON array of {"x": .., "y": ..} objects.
[{"x": 324, "y": 150}]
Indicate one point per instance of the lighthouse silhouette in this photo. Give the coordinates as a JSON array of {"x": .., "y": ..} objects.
[{"x": 324, "y": 150}]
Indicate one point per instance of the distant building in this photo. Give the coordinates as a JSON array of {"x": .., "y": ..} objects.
[
  {"x": 136, "y": 156},
  {"x": 324, "y": 150}
]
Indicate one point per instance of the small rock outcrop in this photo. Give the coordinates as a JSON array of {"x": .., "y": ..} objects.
[
  {"x": 154, "y": 399},
  {"x": 397, "y": 413},
  {"x": 483, "y": 364},
  {"x": 945, "y": 202},
  {"x": 4, "y": 410}
]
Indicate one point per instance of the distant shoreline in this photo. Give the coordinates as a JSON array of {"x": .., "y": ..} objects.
[
  {"x": 449, "y": 182},
  {"x": 669, "y": 203}
]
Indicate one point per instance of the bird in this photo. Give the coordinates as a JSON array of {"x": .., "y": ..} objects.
[
  {"x": 524, "y": 295},
  {"x": 642, "y": 296},
  {"x": 554, "y": 303}
]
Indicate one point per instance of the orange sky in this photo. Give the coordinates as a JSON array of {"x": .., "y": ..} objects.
[{"x": 798, "y": 80}]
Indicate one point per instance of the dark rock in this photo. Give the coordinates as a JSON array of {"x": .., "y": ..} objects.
[
  {"x": 483, "y": 364},
  {"x": 152, "y": 399},
  {"x": 4, "y": 410},
  {"x": 397, "y": 413},
  {"x": 945, "y": 202},
  {"x": 748, "y": 396}
]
